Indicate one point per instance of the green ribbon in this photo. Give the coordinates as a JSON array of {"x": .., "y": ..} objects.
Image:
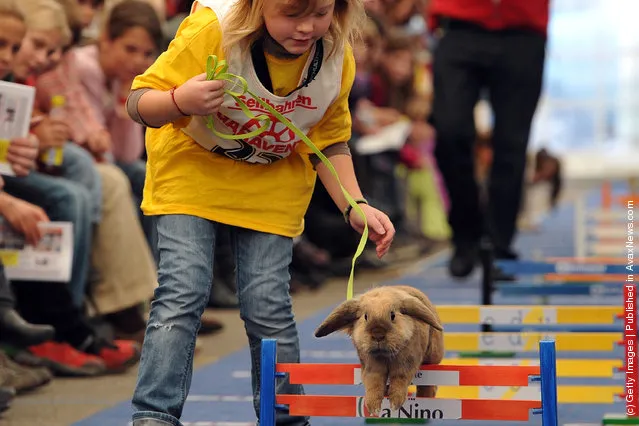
[{"x": 218, "y": 70}]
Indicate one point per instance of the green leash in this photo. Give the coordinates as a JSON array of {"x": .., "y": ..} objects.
[{"x": 218, "y": 70}]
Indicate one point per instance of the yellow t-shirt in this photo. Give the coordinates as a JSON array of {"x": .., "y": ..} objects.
[{"x": 184, "y": 178}]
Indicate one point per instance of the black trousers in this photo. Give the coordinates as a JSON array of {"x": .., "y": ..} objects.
[
  {"x": 509, "y": 66},
  {"x": 46, "y": 303},
  {"x": 51, "y": 303}
]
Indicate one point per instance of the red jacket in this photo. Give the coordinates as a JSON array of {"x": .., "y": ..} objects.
[{"x": 493, "y": 14}]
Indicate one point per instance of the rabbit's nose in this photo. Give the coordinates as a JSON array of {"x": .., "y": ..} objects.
[{"x": 378, "y": 333}]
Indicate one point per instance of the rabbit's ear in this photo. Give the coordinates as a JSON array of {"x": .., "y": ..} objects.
[
  {"x": 342, "y": 316},
  {"x": 418, "y": 310}
]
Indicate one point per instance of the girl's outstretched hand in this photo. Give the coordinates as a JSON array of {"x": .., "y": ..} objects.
[{"x": 380, "y": 229}]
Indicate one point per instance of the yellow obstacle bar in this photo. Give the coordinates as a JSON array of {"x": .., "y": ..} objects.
[
  {"x": 590, "y": 368},
  {"x": 525, "y": 342},
  {"x": 528, "y": 315},
  {"x": 566, "y": 394}
]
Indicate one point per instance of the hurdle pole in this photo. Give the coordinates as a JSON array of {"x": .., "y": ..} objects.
[
  {"x": 267, "y": 382},
  {"x": 580, "y": 227},
  {"x": 486, "y": 254},
  {"x": 548, "y": 370}
]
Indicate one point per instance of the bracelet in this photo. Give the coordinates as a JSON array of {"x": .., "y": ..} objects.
[
  {"x": 347, "y": 210},
  {"x": 172, "y": 92}
]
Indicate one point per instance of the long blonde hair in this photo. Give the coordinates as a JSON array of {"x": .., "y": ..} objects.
[
  {"x": 47, "y": 15},
  {"x": 244, "y": 23}
]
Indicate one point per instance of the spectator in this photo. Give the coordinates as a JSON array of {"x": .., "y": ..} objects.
[
  {"x": 63, "y": 200},
  {"x": 498, "y": 46}
]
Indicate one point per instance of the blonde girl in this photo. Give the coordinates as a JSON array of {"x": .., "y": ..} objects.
[
  {"x": 48, "y": 33},
  {"x": 260, "y": 186}
]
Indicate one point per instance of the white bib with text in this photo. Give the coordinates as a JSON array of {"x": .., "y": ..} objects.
[{"x": 304, "y": 108}]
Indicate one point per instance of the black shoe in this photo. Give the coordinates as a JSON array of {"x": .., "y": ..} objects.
[
  {"x": 500, "y": 275},
  {"x": 6, "y": 396},
  {"x": 463, "y": 262},
  {"x": 15, "y": 330},
  {"x": 506, "y": 254}
]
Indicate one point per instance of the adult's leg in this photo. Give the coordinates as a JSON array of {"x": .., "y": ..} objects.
[
  {"x": 65, "y": 201},
  {"x": 78, "y": 349},
  {"x": 515, "y": 83},
  {"x": 120, "y": 254},
  {"x": 186, "y": 245},
  {"x": 13, "y": 328},
  {"x": 51, "y": 303},
  {"x": 6, "y": 296},
  {"x": 136, "y": 172},
  {"x": 80, "y": 167},
  {"x": 457, "y": 80},
  {"x": 265, "y": 305}
]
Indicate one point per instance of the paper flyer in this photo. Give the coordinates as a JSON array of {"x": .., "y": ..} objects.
[
  {"x": 389, "y": 138},
  {"x": 16, "y": 107},
  {"x": 50, "y": 260}
]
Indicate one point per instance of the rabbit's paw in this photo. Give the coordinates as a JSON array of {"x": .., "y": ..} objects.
[
  {"x": 397, "y": 397},
  {"x": 373, "y": 404}
]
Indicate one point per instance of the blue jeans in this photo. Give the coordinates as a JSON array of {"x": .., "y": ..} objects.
[
  {"x": 186, "y": 245},
  {"x": 79, "y": 166},
  {"x": 136, "y": 172},
  {"x": 64, "y": 201}
]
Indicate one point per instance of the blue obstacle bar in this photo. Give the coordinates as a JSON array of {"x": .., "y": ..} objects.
[
  {"x": 527, "y": 267},
  {"x": 559, "y": 289}
]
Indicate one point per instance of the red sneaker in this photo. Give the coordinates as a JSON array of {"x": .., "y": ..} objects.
[
  {"x": 120, "y": 355},
  {"x": 64, "y": 360}
]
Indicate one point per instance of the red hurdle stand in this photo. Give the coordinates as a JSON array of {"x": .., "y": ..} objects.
[{"x": 423, "y": 408}]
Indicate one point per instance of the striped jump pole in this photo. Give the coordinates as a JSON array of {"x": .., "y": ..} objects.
[
  {"x": 602, "y": 277},
  {"x": 565, "y": 267},
  {"x": 570, "y": 271},
  {"x": 419, "y": 408},
  {"x": 567, "y": 271},
  {"x": 530, "y": 315}
]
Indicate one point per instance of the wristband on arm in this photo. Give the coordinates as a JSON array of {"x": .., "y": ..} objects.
[{"x": 347, "y": 210}]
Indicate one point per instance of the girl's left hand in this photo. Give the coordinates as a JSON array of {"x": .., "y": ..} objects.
[{"x": 380, "y": 229}]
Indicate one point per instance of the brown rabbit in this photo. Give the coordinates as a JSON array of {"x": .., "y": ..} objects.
[{"x": 394, "y": 329}]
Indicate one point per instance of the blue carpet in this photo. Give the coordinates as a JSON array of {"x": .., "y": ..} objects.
[{"x": 220, "y": 392}]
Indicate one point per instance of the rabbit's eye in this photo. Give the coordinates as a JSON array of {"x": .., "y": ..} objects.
[
  {"x": 392, "y": 316},
  {"x": 365, "y": 317}
]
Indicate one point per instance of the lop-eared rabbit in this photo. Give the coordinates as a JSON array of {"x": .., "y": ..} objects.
[{"x": 395, "y": 329}]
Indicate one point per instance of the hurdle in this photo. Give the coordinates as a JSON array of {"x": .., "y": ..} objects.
[
  {"x": 607, "y": 239},
  {"x": 565, "y": 277},
  {"x": 419, "y": 408},
  {"x": 513, "y": 343},
  {"x": 610, "y": 269}
]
